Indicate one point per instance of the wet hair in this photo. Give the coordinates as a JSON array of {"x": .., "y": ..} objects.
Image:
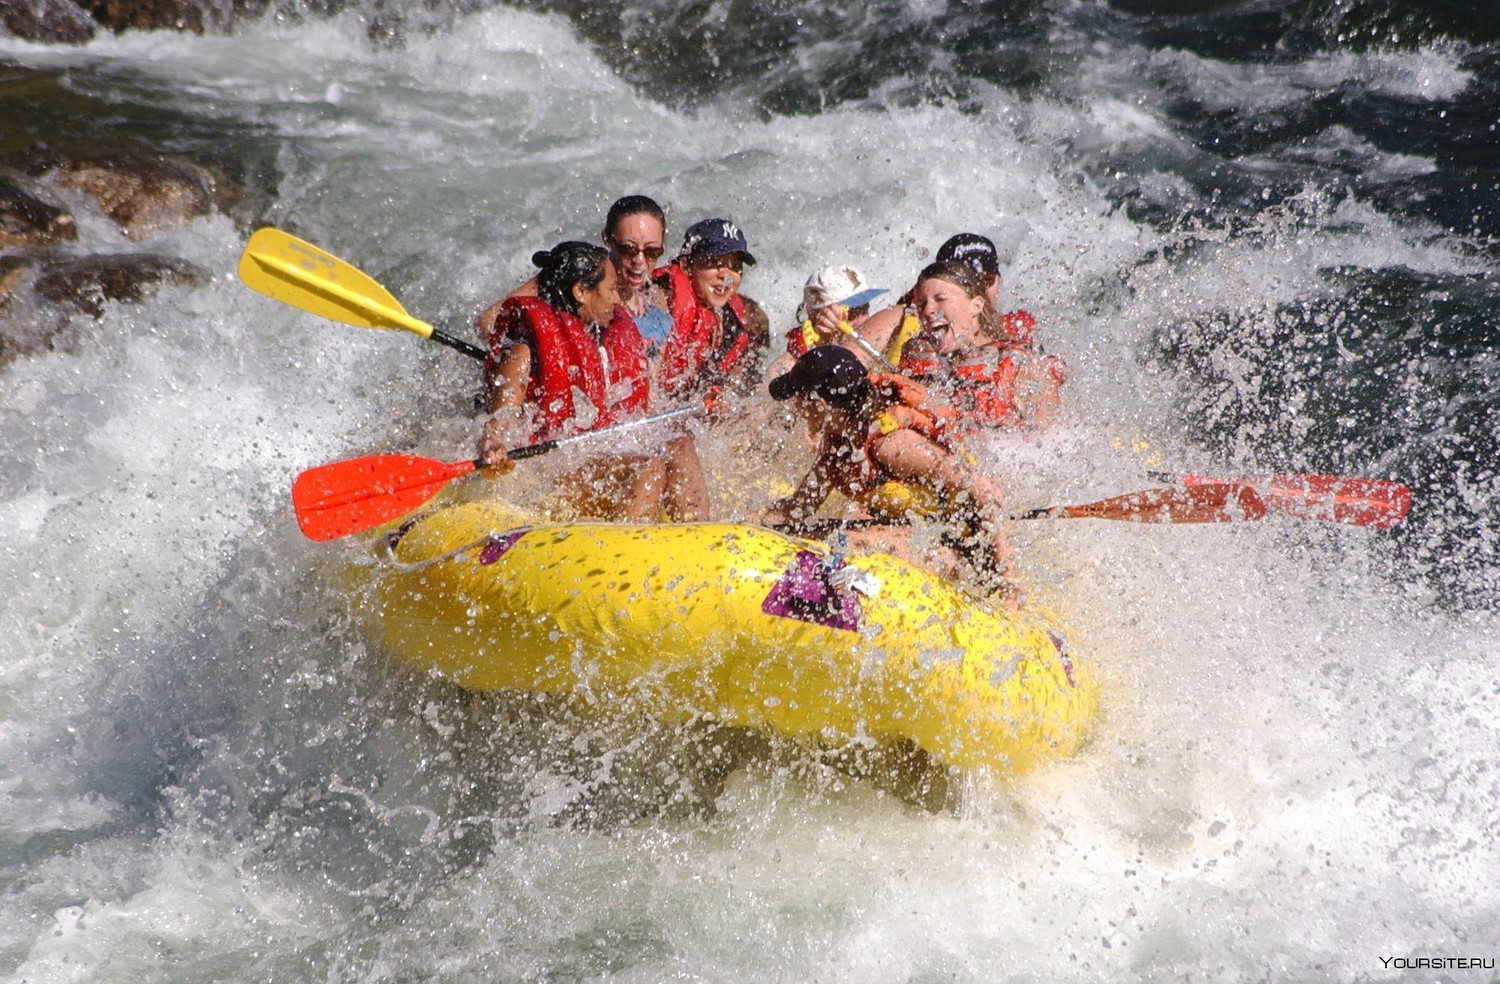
[
  {"x": 963, "y": 276},
  {"x": 564, "y": 266},
  {"x": 633, "y": 205}
]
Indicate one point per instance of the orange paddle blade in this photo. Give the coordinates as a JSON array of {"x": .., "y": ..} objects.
[
  {"x": 1221, "y": 503},
  {"x": 1372, "y": 502},
  {"x": 352, "y": 496}
]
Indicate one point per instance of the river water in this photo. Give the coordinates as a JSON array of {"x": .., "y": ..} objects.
[{"x": 1263, "y": 236}]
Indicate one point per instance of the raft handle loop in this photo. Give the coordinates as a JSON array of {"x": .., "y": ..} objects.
[{"x": 390, "y": 553}]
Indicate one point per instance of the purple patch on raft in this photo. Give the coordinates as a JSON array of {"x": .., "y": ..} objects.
[
  {"x": 500, "y": 544},
  {"x": 804, "y": 593},
  {"x": 1062, "y": 654}
]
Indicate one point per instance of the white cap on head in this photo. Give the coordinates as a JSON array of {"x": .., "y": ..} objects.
[{"x": 837, "y": 285}]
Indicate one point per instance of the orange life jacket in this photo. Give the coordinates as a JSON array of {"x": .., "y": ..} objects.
[
  {"x": 689, "y": 356},
  {"x": 610, "y": 371},
  {"x": 907, "y": 406},
  {"x": 981, "y": 383}
]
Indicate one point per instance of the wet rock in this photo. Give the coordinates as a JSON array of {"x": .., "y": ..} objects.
[
  {"x": 149, "y": 15},
  {"x": 86, "y": 283},
  {"x": 12, "y": 270},
  {"x": 146, "y": 195},
  {"x": 52, "y": 21},
  {"x": 24, "y": 327},
  {"x": 117, "y": 137},
  {"x": 26, "y": 220}
]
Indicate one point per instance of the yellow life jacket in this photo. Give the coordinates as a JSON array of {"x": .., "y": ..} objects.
[{"x": 905, "y": 332}]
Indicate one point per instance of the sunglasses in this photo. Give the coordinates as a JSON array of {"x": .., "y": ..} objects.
[
  {"x": 730, "y": 261},
  {"x": 631, "y": 250}
]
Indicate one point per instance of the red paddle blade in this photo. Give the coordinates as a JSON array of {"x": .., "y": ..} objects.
[
  {"x": 1372, "y": 502},
  {"x": 352, "y": 496},
  {"x": 1201, "y": 503}
]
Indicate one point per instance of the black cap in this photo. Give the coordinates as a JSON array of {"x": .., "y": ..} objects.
[
  {"x": 972, "y": 251},
  {"x": 831, "y": 372},
  {"x": 715, "y": 237}
]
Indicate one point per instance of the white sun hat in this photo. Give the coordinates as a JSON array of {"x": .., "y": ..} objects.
[{"x": 837, "y": 285}]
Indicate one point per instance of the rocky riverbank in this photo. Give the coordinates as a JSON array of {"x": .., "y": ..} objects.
[{"x": 91, "y": 186}]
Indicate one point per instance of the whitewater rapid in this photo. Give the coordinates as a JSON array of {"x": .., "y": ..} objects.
[{"x": 205, "y": 774}]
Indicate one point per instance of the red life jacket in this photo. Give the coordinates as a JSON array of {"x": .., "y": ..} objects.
[
  {"x": 688, "y": 357},
  {"x": 1018, "y": 328},
  {"x": 796, "y": 342},
  {"x": 610, "y": 372},
  {"x": 985, "y": 387}
]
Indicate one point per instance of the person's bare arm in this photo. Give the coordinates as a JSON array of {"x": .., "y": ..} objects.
[
  {"x": 484, "y": 325},
  {"x": 911, "y": 457},
  {"x": 509, "y": 420},
  {"x": 796, "y": 509},
  {"x": 877, "y": 331}
]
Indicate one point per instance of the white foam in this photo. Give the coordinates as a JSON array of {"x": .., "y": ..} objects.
[{"x": 1264, "y": 683}]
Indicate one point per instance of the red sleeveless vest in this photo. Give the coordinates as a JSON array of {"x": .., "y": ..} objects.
[
  {"x": 688, "y": 356},
  {"x": 610, "y": 371}
]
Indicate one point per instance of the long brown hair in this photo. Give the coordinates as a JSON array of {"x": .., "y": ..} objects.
[{"x": 962, "y": 276}]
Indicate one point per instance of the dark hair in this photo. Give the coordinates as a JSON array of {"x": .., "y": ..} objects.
[
  {"x": 633, "y": 205},
  {"x": 971, "y": 282},
  {"x": 565, "y": 265}
]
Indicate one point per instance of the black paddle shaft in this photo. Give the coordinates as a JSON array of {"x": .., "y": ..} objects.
[{"x": 467, "y": 348}]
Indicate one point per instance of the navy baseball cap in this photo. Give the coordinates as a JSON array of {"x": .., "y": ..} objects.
[
  {"x": 971, "y": 250},
  {"x": 831, "y": 372},
  {"x": 715, "y": 237}
]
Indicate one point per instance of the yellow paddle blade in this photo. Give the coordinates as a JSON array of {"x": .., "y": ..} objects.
[{"x": 295, "y": 272}]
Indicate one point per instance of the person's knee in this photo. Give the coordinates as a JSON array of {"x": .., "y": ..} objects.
[{"x": 652, "y": 474}]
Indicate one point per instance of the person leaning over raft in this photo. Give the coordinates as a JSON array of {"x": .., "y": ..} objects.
[
  {"x": 880, "y": 445},
  {"x": 835, "y": 303},
  {"x": 717, "y": 334},
  {"x": 568, "y": 361}
]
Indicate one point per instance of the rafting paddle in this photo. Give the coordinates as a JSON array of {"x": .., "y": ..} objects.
[
  {"x": 348, "y": 497},
  {"x": 1202, "y": 503},
  {"x": 1373, "y": 502},
  {"x": 298, "y": 273}
]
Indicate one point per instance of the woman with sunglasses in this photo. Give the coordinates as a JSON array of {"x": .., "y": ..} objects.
[{"x": 634, "y": 232}]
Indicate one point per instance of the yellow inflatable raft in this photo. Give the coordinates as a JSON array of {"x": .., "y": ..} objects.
[{"x": 731, "y": 623}]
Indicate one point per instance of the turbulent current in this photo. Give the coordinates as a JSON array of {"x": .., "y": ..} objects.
[{"x": 1262, "y": 235}]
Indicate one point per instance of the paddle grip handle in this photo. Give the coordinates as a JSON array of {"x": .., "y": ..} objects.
[
  {"x": 458, "y": 344},
  {"x": 531, "y": 450}
]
